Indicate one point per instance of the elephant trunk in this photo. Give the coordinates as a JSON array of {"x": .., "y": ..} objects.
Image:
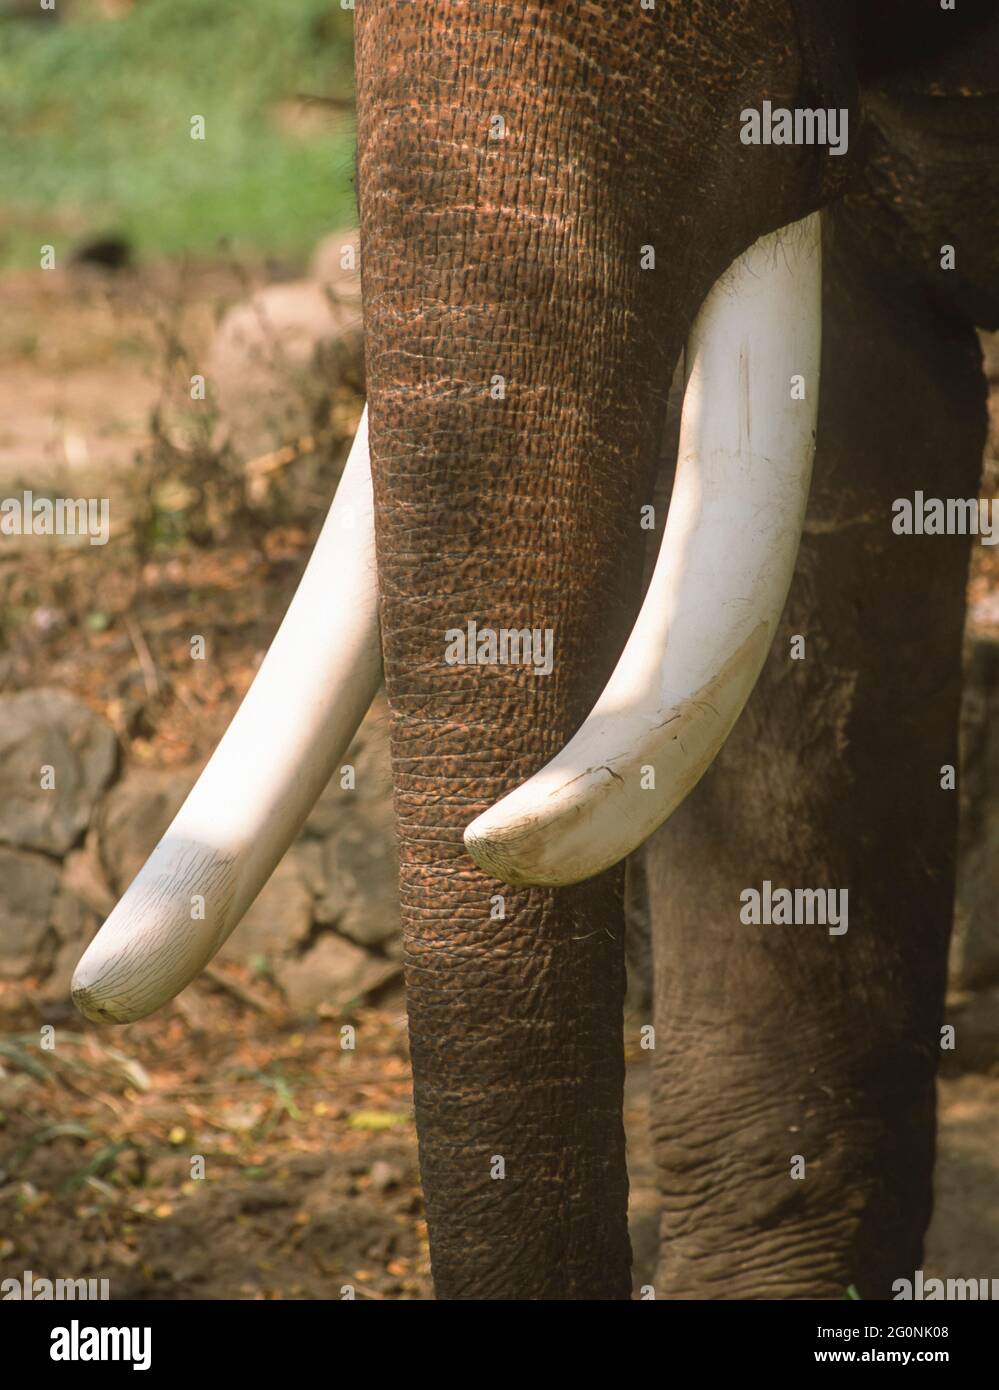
[{"x": 519, "y": 351}]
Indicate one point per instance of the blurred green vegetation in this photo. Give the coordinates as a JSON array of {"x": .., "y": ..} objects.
[{"x": 95, "y": 117}]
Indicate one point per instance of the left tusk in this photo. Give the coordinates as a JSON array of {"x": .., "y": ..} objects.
[
  {"x": 718, "y": 589},
  {"x": 302, "y": 710}
]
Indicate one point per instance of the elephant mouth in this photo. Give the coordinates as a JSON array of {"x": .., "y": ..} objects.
[{"x": 693, "y": 657}]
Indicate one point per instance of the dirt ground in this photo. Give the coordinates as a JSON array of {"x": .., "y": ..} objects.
[
  {"x": 309, "y": 1180},
  {"x": 309, "y": 1185}
]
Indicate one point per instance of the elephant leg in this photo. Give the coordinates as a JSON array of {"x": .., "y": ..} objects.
[{"x": 794, "y": 1105}]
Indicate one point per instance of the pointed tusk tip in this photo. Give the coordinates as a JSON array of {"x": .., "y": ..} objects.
[
  {"x": 93, "y": 998},
  {"x": 492, "y": 854},
  {"x": 510, "y": 854},
  {"x": 89, "y": 1006}
]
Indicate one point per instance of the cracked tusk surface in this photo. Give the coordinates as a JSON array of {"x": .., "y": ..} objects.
[
  {"x": 718, "y": 589},
  {"x": 285, "y": 740}
]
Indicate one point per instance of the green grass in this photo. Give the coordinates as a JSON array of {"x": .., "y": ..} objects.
[{"x": 95, "y": 117}]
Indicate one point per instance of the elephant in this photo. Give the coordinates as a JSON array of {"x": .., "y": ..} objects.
[{"x": 561, "y": 205}]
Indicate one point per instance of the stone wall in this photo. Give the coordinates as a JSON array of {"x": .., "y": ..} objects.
[{"x": 325, "y": 927}]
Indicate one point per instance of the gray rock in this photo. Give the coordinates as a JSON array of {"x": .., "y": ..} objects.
[
  {"x": 357, "y": 888},
  {"x": 83, "y": 878},
  {"x": 55, "y": 987},
  {"x": 361, "y": 898},
  {"x": 50, "y": 728},
  {"x": 30, "y": 891},
  {"x": 280, "y": 919},
  {"x": 368, "y": 755},
  {"x": 134, "y": 816},
  {"x": 333, "y": 972},
  {"x": 83, "y": 901},
  {"x": 275, "y": 357}
]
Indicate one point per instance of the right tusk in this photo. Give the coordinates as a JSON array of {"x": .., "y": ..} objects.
[
  {"x": 719, "y": 586},
  {"x": 298, "y": 717}
]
